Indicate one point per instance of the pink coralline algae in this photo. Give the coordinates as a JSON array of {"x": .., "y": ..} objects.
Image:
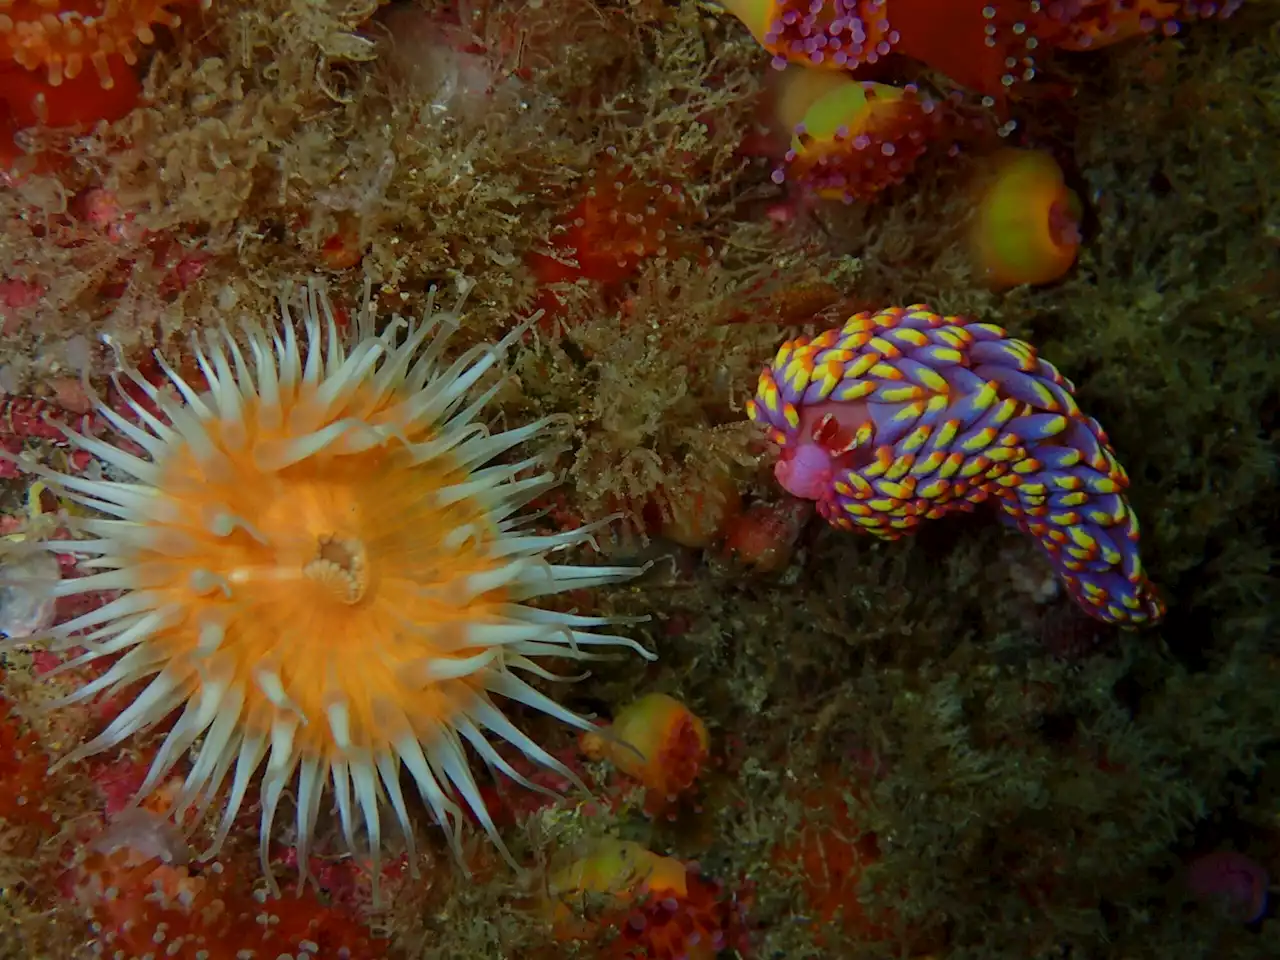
[
  {"x": 30, "y": 418},
  {"x": 903, "y": 415}
]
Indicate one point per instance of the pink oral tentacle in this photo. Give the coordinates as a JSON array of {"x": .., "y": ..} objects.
[
  {"x": 807, "y": 468},
  {"x": 805, "y": 471}
]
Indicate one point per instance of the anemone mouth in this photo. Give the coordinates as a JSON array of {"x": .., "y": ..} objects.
[{"x": 341, "y": 565}]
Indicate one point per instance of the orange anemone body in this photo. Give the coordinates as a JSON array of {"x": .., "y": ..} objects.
[
  {"x": 326, "y": 568},
  {"x": 321, "y": 570}
]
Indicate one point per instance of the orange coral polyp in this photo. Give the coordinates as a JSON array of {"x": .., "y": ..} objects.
[
  {"x": 83, "y": 100},
  {"x": 319, "y": 571},
  {"x": 65, "y": 36}
]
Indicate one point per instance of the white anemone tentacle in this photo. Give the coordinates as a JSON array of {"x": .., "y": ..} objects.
[{"x": 273, "y": 400}]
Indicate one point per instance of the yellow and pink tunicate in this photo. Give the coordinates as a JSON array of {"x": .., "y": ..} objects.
[
  {"x": 851, "y": 139},
  {"x": 658, "y": 741},
  {"x": 1026, "y": 225},
  {"x": 646, "y": 905}
]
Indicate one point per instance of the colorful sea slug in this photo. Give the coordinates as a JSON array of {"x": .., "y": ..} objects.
[
  {"x": 904, "y": 415},
  {"x": 322, "y": 572}
]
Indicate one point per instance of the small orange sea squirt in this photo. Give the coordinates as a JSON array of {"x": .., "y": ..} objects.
[
  {"x": 656, "y": 740},
  {"x": 321, "y": 567},
  {"x": 1026, "y": 225}
]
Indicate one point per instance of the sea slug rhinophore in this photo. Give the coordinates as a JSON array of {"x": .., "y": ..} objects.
[{"x": 904, "y": 415}]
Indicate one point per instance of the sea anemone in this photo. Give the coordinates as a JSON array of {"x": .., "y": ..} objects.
[
  {"x": 1026, "y": 225},
  {"x": 316, "y": 567}
]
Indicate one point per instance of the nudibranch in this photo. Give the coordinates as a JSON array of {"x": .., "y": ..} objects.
[
  {"x": 851, "y": 139},
  {"x": 319, "y": 575},
  {"x": 1026, "y": 222},
  {"x": 903, "y": 416}
]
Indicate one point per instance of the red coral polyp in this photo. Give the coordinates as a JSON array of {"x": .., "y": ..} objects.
[
  {"x": 83, "y": 100},
  {"x": 658, "y": 741},
  {"x": 621, "y": 221},
  {"x": 23, "y": 771}
]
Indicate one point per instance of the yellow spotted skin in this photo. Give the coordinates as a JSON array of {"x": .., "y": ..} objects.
[{"x": 933, "y": 414}]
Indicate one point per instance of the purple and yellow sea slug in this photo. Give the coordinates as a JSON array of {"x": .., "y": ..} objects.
[{"x": 904, "y": 415}]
